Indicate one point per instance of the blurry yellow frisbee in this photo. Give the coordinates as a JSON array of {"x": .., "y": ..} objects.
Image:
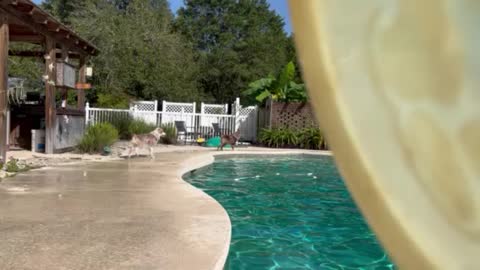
[{"x": 395, "y": 88}]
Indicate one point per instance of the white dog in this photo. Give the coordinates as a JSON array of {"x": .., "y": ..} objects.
[{"x": 140, "y": 140}]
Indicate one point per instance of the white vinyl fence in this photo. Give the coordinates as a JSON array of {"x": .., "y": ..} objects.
[
  {"x": 193, "y": 121},
  {"x": 177, "y": 111},
  {"x": 100, "y": 115},
  {"x": 145, "y": 106},
  {"x": 211, "y": 109},
  {"x": 197, "y": 124},
  {"x": 246, "y": 120}
]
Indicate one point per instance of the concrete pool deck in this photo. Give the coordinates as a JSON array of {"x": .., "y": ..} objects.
[{"x": 136, "y": 214}]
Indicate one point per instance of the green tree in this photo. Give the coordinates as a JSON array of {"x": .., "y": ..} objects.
[
  {"x": 62, "y": 9},
  {"x": 237, "y": 41},
  {"x": 150, "y": 61},
  {"x": 140, "y": 57},
  {"x": 27, "y": 68}
]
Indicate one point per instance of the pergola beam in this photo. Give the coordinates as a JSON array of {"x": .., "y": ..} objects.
[
  {"x": 38, "y": 39},
  {"x": 39, "y": 18},
  {"x": 22, "y": 7},
  {"x": 39, "y": 22},
  {"x": 53, "y": 26},
  {"x": 39, "y": 54}
]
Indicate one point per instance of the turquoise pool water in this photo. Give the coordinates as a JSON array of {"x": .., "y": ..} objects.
[{"x": 290, "y": 213}]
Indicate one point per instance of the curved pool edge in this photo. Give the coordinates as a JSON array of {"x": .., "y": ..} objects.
[
  {"x": 196, "y": 162},
  {"x": 207, "y": 158}
]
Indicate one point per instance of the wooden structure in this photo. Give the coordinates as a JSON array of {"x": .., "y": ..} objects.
[{"x": 24, "y": 21}]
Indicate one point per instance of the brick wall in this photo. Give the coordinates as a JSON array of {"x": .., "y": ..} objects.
[{"x": 292, "y": 115}]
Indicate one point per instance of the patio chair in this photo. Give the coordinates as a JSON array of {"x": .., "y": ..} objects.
[
  {"x": 182, "y": 130},
  {"x": 216, "y": 129}
]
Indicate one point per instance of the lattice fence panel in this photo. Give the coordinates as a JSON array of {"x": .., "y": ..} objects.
[
  {"x": 143, "y": 107},
  {"x": 214, "y": 108},
  {"x": 206, "y": 110},
  {"x": 177, "y": 107},
  {"x": 294, "y": 115},
  {"x": 177, "y": 111}
]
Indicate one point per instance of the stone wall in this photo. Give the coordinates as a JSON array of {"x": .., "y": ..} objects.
[{"x": 295, "y": 115}]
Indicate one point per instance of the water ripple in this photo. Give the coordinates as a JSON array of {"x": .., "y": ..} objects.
[{"x": 290, "y": 213}]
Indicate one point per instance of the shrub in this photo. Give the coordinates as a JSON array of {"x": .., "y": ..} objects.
[
  {"x": 122, "y": 125},
  {"x": 279, "y": 137},
  {"x": 287, "y": 137},
  {"x": 266, "y": 137},
  {"x": 127, "y": 126},
  {"x": 170, "y": 134},
  {"x": 307, "y": 138},
  {"x": 311, "y": 138},
  {"x": 97, "y": 137},
  {"x": 14, "y": 166},
  {"x": 140, "y": 127}
]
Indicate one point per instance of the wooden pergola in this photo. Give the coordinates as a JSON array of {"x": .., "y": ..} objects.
[{"x": 24, "y": 21}]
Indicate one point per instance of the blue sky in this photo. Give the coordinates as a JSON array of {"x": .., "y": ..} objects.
[{"x": 280, "y": 6}]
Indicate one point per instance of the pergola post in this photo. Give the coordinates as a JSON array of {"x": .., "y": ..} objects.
[
  {"x": 64, "y": 90},
  {"x": 4, "y": 43},
  {"x": 50, "y": 106},
  {"x": 81, "y": 79}
]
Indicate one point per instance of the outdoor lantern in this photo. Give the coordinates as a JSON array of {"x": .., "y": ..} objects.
[
  {"x": 89, "y": 71},
  {"x": 65, "y": 75}
]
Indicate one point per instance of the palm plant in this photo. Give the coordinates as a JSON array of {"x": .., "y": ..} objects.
[{"x": 281, "y": 88}]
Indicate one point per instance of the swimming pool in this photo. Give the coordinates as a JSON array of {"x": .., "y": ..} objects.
[{"x": 290, "y": 212}]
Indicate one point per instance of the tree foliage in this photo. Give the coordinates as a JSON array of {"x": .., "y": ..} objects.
[
  {"x": 140, "y": 57},
  {"x": 209, "y": 52},
  {"x": 236, "y": 41}
]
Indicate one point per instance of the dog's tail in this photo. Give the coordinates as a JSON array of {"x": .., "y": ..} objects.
[{"x": 134, "y": 139}]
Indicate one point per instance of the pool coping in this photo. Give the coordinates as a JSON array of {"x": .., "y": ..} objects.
[{"x": 207, "y": 158}]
